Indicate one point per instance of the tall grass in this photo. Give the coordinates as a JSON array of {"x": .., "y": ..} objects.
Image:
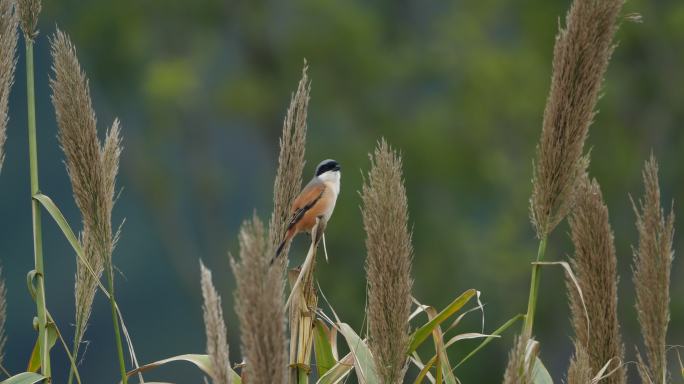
[
  {"x": 597, "y": 331},
  {"x": 288, "y": 179},
  {"x": 28, "y": 15},
  {"x": 580, "y": 59},
  {"x": 215, "y": 329},
  {"x": 395, "y": 339},
  {"x": 388, "y": 263},
  {"x": 259, "y": 306},
  {"x": 8, "y": 61},
  {"x": 92, "y": 169},
  {"x": 652, "y": 266}
]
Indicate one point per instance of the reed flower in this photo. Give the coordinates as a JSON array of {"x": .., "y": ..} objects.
[
  {"x": 652, "y": 265},
  {"x": 580, "y": 59},
  {"x": 28, "y": 14},
  {"x": 92, "y": 169},
  {"x": 215, "y": 328},
  {"x": 520, "y": 362},
  {"x": 388, "y": 263},
  {"x": 595, "y": 265},
  {"x": 3, "y": 317},
  {"x": 259, "y": 306},
  {"x": 288, "y": 178},
  {"x": 8, "y": 61},
  {"x": 580, "y": 369}
]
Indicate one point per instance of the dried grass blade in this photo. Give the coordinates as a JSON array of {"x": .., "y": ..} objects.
[
  {"x": 572, "y": 277},
  {"x": 422, "y": 333}
]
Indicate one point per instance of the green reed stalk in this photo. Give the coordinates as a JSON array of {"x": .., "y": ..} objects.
[
  {"x": 74, "y": 353},
  {"x": 534, "y": 289},
  {"x": 35, "y": 208},
  {"x": 117, "y": 332}
]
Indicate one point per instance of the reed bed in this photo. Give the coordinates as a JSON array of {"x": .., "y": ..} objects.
[{"x": 405, "y": 340}]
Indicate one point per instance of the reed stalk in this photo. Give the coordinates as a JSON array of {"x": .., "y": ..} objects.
[
  {"x": 29, "y": 10},
  {"x": 92, "y": 167},
  {"x": 302, "y": 316},
  {"x": 580, "y": 59},
  {"x": 534, "y": 289}
]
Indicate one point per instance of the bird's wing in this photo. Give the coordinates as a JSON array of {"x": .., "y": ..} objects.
[{"x": 307, "y": 198}]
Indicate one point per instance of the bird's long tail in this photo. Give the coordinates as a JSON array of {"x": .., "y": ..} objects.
[{"x": 279, "y": 251}]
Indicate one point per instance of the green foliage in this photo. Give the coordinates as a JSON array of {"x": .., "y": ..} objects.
[{"x": 24, "y": 378}]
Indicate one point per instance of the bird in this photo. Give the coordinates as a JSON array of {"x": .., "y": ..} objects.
[{"x": 316, "y": 201}]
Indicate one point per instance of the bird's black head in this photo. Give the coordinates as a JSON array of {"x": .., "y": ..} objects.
[{"x": 327, "y": 165}]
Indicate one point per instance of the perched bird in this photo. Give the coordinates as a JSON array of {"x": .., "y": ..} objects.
[{"x": 315, "y": 201}]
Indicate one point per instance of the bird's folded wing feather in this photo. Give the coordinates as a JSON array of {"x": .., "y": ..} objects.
[{"x": 305, "y": 201}]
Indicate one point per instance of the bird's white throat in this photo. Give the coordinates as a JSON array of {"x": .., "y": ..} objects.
[{"x": 332, "y": 178}]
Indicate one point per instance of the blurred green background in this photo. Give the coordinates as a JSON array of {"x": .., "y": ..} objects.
[{"x": 201, "y": 88}]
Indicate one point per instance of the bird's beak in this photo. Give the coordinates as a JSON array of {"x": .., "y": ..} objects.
[{"x": 337, "y": 168}]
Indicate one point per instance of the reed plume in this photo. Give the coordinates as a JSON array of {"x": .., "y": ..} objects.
[
  {"x": 288, "y": 178},
  {"x": 388, "y": 263},
  {"x": 3, "y": 317},
  {"x": 259, "y": 306},
  {"x": 520, "y": 362},
  {"x": 580, "y": 59},
  {"x": 580, "y": 369},
  {"x": 8, "y": 61},
  {"x": 595, "y": 265},
  {"x": 92, "y": 169},
  {"x": 28, "y": 14},
  {"x": 651, "y": 273},
  {"x": 215, "y": 328}
]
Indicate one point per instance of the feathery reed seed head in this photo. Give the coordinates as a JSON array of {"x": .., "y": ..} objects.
[
  {"x": 28, "y": 13},
  {"x": 595, "y": 266},
  {"x": 580, "y": 59},
  {"x": 3, "y": 316},
  {"x": 388, "y": 263},
  {"x": 580, "y": 369},
  {"x": 288, "y": 178},
  {"x": 8, "y": 61},
  {"x": 519, "y": 368},
  {"x": 652, "y": 264},
  {"x": 92, "y": 169},
  {"x": 215, "y": 328},
  {"x": 259, "y": 306}
]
